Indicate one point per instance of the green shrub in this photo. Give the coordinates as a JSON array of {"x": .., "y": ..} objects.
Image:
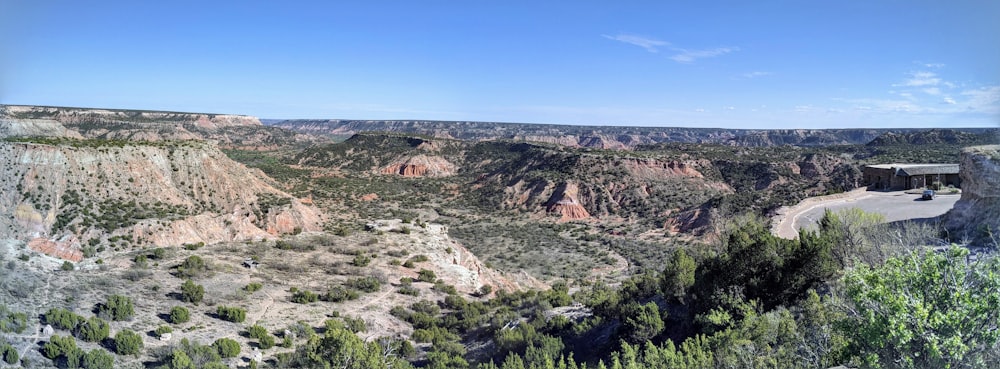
[
  {"x": 304, "y": 297},
  {"x": 678, "y": 275},
  {"x": 408, "y": 290},
  {"x": 446, "y": 288},
  {"x": 191, "y": 292},
  {"x": 67, "y": 266},
  {"x": 266, "y": 342},
  {"x": 253, "y": 287},
  {"x": 227, "y": 347},
  {"x": 117, "y": 308},
  {"x": 642, "y": 322},
  {"x": 293, "y": 245},
  {"x": 485, "y": 290},
  {"x": 58, "y": 346},
  {"x": 62, "y": 318},
  {"x": 193, "y": 266},
  {"x": 231, "y": 314},
  {"x": 418, "y": 258},
  {"x": 261, "y": 334},
  {"x": 180, "y": 360},
  {"x": 924, "y": 310},
  {"x": 179, "y": 314},
  {"x": 10, "y": 321},
  {"x": 128, "y": 342},
  {"x": 342, "y": 231},
  {"x": 97, "y": 359},
  {"x": 92, "y": 330},
  {"x": 9, "y": 354},
  {"x": 426, "y": 307},
  {"x": 191, "y": 354},
  {"x": 339, "y": 294},
  {"x": 355, "y": 324},
  {"x": 422, "y": 336},
  {"x": 426, "y": 276},
  {"x": 257, "y": 332},
  {"x": 364, "y": 284},
  {"x": 361, "y": 260},
  {"x": 163, "y": 329}
]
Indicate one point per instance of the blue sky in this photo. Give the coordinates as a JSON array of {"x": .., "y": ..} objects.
[{"x": 740, "y": 64}]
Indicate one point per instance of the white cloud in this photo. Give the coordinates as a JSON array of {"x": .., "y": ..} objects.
[
  {"x": 934, "y": 65},
  {"x": 648, "y": 43},
  {"x": 932, "y": 91},
  {"x": 756, "y": 74},
  {"x": 689, "y": 56},
  {"x": 883, "y": 105},
  {"x": 729, "y": 108},
  {"x": 920, "y": 79},
  {"x": 986, "y": 99},
  {"x": 700, "y": 110}
]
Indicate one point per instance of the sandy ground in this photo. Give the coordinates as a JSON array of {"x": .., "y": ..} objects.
[{"x": 895, "y": 206}]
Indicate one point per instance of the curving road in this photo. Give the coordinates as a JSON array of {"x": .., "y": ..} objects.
[{"x": 895, "y": 206}]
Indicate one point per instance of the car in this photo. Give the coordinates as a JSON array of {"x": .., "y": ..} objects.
[{"x": 928, "y": 195}]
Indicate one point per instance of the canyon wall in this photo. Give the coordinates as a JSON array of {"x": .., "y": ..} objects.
[{"x": 976, "y": 215}]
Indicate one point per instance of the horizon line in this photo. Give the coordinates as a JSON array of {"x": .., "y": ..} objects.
[{"x": 487, "y": 121}]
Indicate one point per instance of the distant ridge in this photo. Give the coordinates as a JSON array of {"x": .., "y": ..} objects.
[
  {"x": 82, "y": 108},
  {"x": 604, "y": 137},
  {"x": 939, "y": 136},
  {"x": 228, "y": 130}
]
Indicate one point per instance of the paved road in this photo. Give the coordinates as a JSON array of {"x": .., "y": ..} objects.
[{"x": 894, "y": 206}]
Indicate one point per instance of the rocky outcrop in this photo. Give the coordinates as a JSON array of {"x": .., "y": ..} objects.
[
  {"x": 655, "y": 168},
  {"x": 977, "y": 214},
  {"x": 694, "y": 221},
  {"x": 61, "y": 194},
  {"x": 451, "y": 261},
  {"x": 63, "y": 249},
  {"x": 421, "y": 166},
  {"x": 564, "y": 202}
]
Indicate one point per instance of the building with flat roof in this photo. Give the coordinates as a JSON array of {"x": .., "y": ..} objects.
[{"x": 910, "y": 176}]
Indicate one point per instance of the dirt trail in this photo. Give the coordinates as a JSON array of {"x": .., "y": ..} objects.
[
  {"x": 267, "y": 306},
  {"x": 783, "y": 224},
  {"x": 368, "y": 303},
  {"x": 37, "y": 337}
]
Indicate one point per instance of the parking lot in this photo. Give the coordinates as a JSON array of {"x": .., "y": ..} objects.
[{"x": 895, "y": 206}]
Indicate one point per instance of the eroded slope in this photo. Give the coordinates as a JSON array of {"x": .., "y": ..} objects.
[{"x": 72, "y": 194}]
